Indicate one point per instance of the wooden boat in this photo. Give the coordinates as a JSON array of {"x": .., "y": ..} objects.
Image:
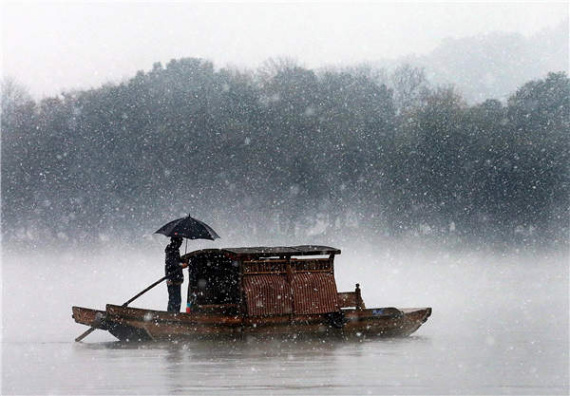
[{"x": 263, "y": 292}]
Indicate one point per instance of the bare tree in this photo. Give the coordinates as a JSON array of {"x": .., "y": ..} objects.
[{"x": 410, "y": 87}]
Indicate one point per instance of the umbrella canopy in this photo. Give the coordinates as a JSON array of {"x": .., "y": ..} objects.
[{"x": 188, "y": 227}]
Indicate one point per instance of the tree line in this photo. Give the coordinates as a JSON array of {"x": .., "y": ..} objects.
[{"x": 285, "y": 150}]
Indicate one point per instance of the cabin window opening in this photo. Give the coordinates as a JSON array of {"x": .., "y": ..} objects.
[{"x": 214, "y": 280}]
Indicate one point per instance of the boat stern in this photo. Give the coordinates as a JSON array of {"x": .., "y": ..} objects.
[{"x": 89, "y": 317}]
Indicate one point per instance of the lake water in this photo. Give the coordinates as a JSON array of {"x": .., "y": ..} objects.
[{"x": 499, "y": 326}]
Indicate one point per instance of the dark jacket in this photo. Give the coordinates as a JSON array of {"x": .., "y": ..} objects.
[{"x": 172, "y": 264}]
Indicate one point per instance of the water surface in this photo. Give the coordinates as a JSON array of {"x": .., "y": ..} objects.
[{"x": 499, "y": 326}]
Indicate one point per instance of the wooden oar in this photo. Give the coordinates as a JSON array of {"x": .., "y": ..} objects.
[
  {"x": 98, "y": 321},
  {"x": 145, "y": 290},
  {"x": 91, "y": 330}
]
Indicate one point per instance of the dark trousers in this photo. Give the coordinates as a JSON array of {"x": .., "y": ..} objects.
[{"x": 174, "y": 298}]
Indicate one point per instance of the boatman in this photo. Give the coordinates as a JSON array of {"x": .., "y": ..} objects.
[{"x": 175, "y": 277}]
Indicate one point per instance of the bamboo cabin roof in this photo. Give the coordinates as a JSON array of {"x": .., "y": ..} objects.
[{"x": 265, "y": 251}]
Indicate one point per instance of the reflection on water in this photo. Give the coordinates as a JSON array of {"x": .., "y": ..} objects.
[{"x": 414, "y": 365}]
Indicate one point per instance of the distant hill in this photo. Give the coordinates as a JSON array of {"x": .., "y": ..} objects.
[{"x": 496, "y": 64}]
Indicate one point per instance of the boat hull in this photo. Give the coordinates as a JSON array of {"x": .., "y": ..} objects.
[{"x": 135, "y": 324}]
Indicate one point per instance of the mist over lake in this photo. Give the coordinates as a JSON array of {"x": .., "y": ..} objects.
[
  {"x": 499, "y": 326},
  {"x": 433, "y": 202}
]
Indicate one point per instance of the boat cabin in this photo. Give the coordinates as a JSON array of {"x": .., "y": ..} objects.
[
  {"x": 266, "y": 281},
  {"x": 261, "y": 291}
]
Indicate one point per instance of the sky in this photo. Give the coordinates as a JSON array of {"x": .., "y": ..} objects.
[{"x": 53, "y": 47}]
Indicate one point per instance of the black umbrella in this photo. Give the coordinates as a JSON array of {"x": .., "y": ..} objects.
[{"x": 188, "y": 227}]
